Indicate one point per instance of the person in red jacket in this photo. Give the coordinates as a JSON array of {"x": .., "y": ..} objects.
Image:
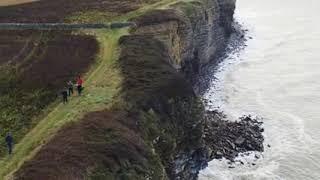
[{"x": 79, "y": 85}]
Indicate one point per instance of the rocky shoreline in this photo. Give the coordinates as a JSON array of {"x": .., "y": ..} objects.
[
  {"x": 228, "y": 139},
  {"x": 222, "y": 138}
]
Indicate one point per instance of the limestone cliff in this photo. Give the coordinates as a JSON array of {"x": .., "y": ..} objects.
[{"x": 193, "y": 32}]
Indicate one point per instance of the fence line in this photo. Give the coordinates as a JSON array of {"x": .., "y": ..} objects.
[{"x": 63, "y": 26}]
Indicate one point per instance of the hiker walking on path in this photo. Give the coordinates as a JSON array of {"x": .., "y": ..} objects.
[
  {"x": 9, "y": 141},
  {"x": 64, "y": 94},
  {"x": 79, "y": 85},
  {"x": 70, "y": 87}
]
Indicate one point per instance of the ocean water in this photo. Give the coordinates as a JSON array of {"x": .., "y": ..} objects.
[{"x": 277, "y": 77}]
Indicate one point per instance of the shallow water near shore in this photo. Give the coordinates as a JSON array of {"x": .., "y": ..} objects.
[{"x": 276, "y": 77}]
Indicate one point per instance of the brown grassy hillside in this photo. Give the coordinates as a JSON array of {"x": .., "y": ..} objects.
[
  {"x": 58, "y": 10},
  {"x": 34, "y": 67}
]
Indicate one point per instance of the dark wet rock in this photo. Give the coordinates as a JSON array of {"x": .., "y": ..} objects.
[
  {"x": 235, "y": 44},
  {"x": 219, "y": 155},
  {"x": 240, "y": 140},
  {"x": 269, "y": 146},
  {"x": 227, "y": 139}
]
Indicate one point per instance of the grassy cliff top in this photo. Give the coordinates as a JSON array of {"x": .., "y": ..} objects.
[{"x": 58, "y": 10}]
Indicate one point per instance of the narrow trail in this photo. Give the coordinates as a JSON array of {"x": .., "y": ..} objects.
[
  {"x": 98, "y": 95},
  {"x": 101, "y": 85}
]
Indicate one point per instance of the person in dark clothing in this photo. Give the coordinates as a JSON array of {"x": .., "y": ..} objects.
[
  {"x": 70, "y": 87},
  {"x": 9, "y": 141},
  {"x": 64, "y": 94},
  {"x": 79, "y": 85}
]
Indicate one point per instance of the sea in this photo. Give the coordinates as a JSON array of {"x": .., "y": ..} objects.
[{"x": 276, "y": 77}]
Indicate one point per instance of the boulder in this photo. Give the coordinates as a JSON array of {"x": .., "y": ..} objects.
[{"x": 240, "y": 140}]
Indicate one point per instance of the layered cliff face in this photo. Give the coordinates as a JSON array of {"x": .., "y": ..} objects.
[
  {"x": 182, "y": 37},
  {"x": 193, "y": 32}
]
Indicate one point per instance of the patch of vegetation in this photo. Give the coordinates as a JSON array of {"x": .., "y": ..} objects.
[
  {"x": 131, "y": 170},
  {"x": 189, "y": 8},
  {"x": 18, "y": 105},
  {"x": 145, "y": 165},
  {"x": 91, "y": 17},
  {"x": 144, "y": 9}
]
